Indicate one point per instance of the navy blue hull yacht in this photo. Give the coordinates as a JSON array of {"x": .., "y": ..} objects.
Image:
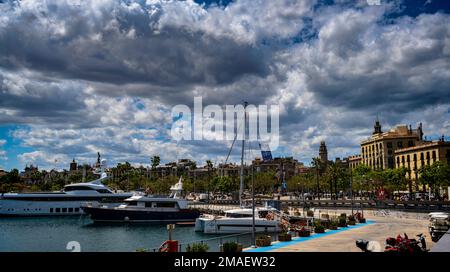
[{"x": 146, "y": 209}]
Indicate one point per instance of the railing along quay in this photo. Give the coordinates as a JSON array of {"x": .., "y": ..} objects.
[
  {"x": 420, "y": 206},
  {"x": 425, "y": 206}
]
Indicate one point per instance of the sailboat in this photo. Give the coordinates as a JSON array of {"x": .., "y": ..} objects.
[{"x": 242, "y": 219}]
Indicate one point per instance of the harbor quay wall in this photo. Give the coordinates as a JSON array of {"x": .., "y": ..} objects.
[{"x": 406, "y": 206}]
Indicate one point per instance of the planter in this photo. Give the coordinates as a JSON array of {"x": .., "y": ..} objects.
[
  {"x": 197, "y": 247},
  {"x": 310, "y": 213},
  {"x": 304, "y": 233},
  {"x": 284, "y": 237},
  {"x": 342, "y": 222},
  {"x": 362, "y": 220},
  {"x": 351, "y": 222},
  {"x": 319, "y": 229},
  {"x": 263, "y": 241},
  {"x": 325, "y": 223},
  {"x": 231, "y": 247},
  {"x": 333, "y": 228}
]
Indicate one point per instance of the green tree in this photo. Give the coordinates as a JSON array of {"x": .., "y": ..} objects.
[
  {"x": 155, "y": 160},
  {"x": 318, "y": 168}
]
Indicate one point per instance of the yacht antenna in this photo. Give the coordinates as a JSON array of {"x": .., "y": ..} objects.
[{"x": 241, "y": 187}]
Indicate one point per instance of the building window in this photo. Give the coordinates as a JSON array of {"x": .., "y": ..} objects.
[
  {"x": 390, "y": 162},
  {"x": 421, "y": 156},
  {"x": 407, "y": 158},
  {"x": 389, "y": 144},
  {"x": 399, "y": 144},
  {"x": 410, "y": 143},
  {"x": 415, "y": 157},
  {"x": 434, "y": 155}
]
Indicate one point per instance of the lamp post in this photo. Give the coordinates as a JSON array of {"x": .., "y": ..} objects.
[
  {"x": 317, "y": 180},
  {"x": 253, "y": 209},
  {"x": 351, "y": 188}
]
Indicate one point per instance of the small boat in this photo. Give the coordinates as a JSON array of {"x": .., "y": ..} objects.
[
  {"x": 146, "y": 209},
  {"x": 239, "y": 221}
]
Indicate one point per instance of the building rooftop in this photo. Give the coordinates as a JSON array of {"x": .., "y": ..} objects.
[
  {"x": 399, "y": 131},
  {"x": 423, "y": 146}
]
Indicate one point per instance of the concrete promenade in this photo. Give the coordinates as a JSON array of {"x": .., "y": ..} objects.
[{"x": 383, "y": 224}]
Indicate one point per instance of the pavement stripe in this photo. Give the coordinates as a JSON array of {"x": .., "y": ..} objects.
[{"x": 297, "y": 240}]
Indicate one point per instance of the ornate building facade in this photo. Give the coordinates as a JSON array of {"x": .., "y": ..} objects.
[
  {"x": 377, "y": 151},
  {"x": 416, "y": 157}
]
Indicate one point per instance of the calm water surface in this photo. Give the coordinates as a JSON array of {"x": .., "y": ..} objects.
[{"x": 53, "y": 233}]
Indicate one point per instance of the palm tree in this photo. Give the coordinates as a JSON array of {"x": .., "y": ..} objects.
[
  {"x": 317, "y": 164},
  {"x": 334, "y": 172}
]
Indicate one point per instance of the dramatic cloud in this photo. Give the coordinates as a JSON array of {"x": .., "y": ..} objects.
[
  {"x": 2, "y": 152},
  {"x": 88, "y": 76}
]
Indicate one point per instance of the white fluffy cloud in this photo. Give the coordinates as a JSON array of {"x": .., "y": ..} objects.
[{"x": 88, "y": 76}]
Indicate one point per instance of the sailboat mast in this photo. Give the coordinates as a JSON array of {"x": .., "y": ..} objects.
[{"x": 241, "y": 187}]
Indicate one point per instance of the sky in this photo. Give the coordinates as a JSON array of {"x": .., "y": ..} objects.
[{"x": 79, "y": 77}]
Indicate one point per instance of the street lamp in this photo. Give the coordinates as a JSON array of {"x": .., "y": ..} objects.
[{"x": 351, "y": 188}]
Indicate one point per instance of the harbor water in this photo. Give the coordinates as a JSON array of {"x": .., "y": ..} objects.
[{"x": 52, "y": 234}]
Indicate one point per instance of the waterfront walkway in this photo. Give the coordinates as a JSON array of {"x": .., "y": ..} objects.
[{"x": 377, "y": 229}]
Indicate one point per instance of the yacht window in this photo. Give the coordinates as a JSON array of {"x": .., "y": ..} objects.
[
  {"x": 70, "y": 209},
  {"x": 132, "y": 203},
  {"x": 237, "y": 215},
  {"x": 64, "y": 209},
  {"x": 77, "y": 209},
  {"x": 103, "y": 191},
  {"x": 58, "y": 210},
  {"x": 78, "y": 188},
  {"x": 51, "y": 210},
  {"x": 148, "y": 204},
  {"x": 165, "y": 204}
]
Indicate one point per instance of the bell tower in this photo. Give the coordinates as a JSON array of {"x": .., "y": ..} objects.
[
  {"x": 323, "y": 153},
  {"x": 377, "y": 127}
]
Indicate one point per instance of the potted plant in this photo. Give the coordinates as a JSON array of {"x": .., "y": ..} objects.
[
  {"x": 325, "y": 223},
  {"x": 284, "y": 237},
  {"x": 310, "y": 213},
  {"x": 197, "y": 247},
  {"x": 342, "y": 222},
  {"x": 351, "y": 220},
  {"x": 229, "y": 247},
  {"x": 333, "y": 225},
  {"x": 303, "y": 232},
  {"x": 319, "y": 228},
  {"x": 263, "y": 241},
  {"x": 360, "y": 218}
]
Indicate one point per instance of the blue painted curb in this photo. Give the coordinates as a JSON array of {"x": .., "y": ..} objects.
[{"x": 297, "y": 240}]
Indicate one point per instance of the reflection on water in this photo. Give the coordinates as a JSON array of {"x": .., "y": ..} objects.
[{"x": 53, "y": 233}]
